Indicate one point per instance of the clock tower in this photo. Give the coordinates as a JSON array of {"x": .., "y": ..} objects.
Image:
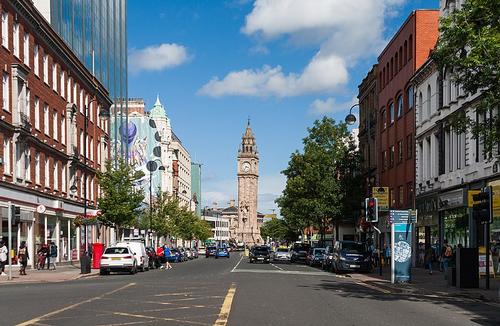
[{"x": 248, "y": 230}]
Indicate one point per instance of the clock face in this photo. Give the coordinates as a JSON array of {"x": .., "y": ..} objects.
[{"x": 246, "y": 167}]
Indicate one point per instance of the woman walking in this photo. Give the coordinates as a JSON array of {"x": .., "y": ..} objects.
[
  {"x": 3, "y": 257},
  {"x": 428, "y": 258},
  {"x": 23, "y": 256}
]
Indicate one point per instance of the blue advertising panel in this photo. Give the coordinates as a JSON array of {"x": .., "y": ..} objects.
[{"x": 401, "y": 252}]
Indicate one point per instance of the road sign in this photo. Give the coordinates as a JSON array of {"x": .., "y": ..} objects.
[
  {"x": 371, "y": 209},
  {"x": 470, "y": 199},
  {"x": 402, "y": 216},
  {"x": 382, "y": 195}
]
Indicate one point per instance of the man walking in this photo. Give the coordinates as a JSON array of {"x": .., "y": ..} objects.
[
  {"x": 166, "y": 255},
  {"x": 3, "y": 257}
]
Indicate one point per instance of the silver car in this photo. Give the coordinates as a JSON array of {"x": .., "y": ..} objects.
[{"x": 282, "y": 254}]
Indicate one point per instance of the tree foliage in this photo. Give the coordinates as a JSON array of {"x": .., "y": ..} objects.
[
  {"x": 469, "y": 47},
  {"x": 120, "y": 200},
  {"x": 278, "y": 230},
  {"x": 322, "y": 185}
]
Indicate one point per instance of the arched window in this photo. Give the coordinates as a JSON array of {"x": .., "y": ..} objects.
[
  {"x": 396, "y": 66},
  {"x": 400, "y": 106},
  {"x": 429, "y": 95},
  {"x": 410, "y": 47},
  {"x": 383, "y": 78},
  {"x": 387, "y": 78},
  {"x": 391, "y": 111},
  {"x": 400, "y": 58},
  {"x": 406, "y": 52},
  {"x": 410, "y": 95},
  {"x": 392, "y": 68},
  {"x": 383, "y": 118},
  {"x": 437, "y": 90},
  {"x": 380, "y": 81}
]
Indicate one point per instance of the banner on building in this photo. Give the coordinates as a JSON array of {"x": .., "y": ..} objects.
[{"x": 401, "y": 248}]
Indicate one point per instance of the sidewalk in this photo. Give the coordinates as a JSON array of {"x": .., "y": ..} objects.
[
  {"x": 424, "y": 284},
  {"x": 61, "y": 274}
]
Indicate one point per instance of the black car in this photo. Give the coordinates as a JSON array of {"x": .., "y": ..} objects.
[
  {"x": 210, "y": 251},
  {"x": 154, "y": 260},
  {"x": 260, "y": 253},
  {"x": 299, "y": 252},
  {"x": 351, "y": 256}
]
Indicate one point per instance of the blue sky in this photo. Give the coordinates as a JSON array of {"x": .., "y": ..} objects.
[{"x": 283, "y": 63}]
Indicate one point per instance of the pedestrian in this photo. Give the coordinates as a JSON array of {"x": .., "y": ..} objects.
[
  {"x": 166, "y": 255},
  {"x": 447, "y": 253},
  {"x": 388, "y": 254},
  {"x": 42, "y": 256},
  {"x": 52, "y": 254},
  {"x": 421, "y": 253},
  {"x": 428, "y": 258},
  {"x": 23, "y": 256},
  {"x": 3, "y": 257}
]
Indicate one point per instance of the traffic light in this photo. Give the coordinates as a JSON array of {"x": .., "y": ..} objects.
[
  {"x": 483, "y": 209},
  {"x": 16, "y": 214},
  {"x": 371, "y": 209}
]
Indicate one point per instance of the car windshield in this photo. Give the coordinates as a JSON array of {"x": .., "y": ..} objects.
[
  {"x": 116, "y": 251},
  {"x": 222, "y": 249},
  {"x": 302, "y": 247},
  {"x": 211, "y": 248},
  {"x": 261, "y": 251},
  {"x": 318, "y": 252},
  {"x": 353, "y": 247},
  {"x": 282, "y": 250}
]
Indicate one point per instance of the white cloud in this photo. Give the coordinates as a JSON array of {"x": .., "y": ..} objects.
[
  {"x": 330, "y": 105},
  {"x": 157, "y": 57},
  {"x": 259, "y": 49},
  {"x": 344, "y": 31}
]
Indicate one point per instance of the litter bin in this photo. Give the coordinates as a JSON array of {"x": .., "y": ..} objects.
[
  {"x": 97, "y": 250},
  {"x": 85, "y": 264},
  {"x": 451, "y": 276}
]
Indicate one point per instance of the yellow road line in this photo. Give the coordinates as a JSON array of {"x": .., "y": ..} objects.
[
  {"x": 55, "y": 312},
  {"x": 226, "y": 307},
  {"x": 159, "y": 318}
]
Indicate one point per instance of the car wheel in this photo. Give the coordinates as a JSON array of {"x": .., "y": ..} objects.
[
  {"x": 227, "y": 256},
  {"x": 103, "y": 272},
  {"x": 216, "y": 257},
  {"x": 133, "y": 270}
]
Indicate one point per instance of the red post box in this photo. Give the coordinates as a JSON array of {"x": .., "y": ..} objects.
[{"x": 97, "y": 251}]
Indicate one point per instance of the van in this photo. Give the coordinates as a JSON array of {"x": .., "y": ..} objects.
[{"x": 139, "y": 251}]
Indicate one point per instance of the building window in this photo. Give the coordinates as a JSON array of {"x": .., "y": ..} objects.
[
  {"x": 46, "y": 168},
  {"x": 383, "y": 118},
  {"x": 15, "y": 38},
  {"x": 54, "y": 77},
  {"x": 37, "y": 168},
  {"x": 5, "y": 29},
  {"x": 391, "y": 112},
  {"x": 37, "y": 113},
  {"x": 409, "y": 146},
  {"x": 36, "y": 60},
  {"x": 429, "y": 101},
  {"x": 62, "y": 85},
  {"x": 81, "y": 142},
  {"x": 26, "y": 49},
  {"x": 55, "y": 123},
  {"x": 70, "y": 99},
  {"x": 63, "y": 177},
  {"x": 401, "y": 195},
  {"x": 98, "y": 153},
  {"x": 391, "y": 156},
  {"x": 46, "y": 69},
  {"x": 63, "y": 130},
  {"x": 5, "y": 92},
  {"x": 400, "y": 151},
  {"x": 410, "y": 95},
  {"x": 81, "y": 101},
  {"x": 410, "y": 47},
  {"x": 400, "y": 57},
  {"x": 420, "y": 107},
  {"x": 6, "y": 155},
  {"x": 405, "y": 52},
  {"x": 28, "y": 103},
  {"x": 46, "y": 120},
  {"x": 400, "y": 106},
  {"x": 392, "y": 197},
  {"x": 409, "y": 193},
  {"x": 56, "y": 175}
]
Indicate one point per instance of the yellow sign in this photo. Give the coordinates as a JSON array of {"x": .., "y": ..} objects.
[
  {"x": 471, "y": 201},
  {"x": 382, "y": 195},
  {"x": 496, "y": 198}
]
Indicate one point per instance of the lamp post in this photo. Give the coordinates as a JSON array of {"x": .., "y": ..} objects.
[
  {"x": 152, "y": 166},
  {"x": 350, "y": 119},
  {"x": 103, "y": 115}
]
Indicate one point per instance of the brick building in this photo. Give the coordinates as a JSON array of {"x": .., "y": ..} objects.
[
  {"x": 47, "y": 98},
  {"x": 405, "y": 53}
]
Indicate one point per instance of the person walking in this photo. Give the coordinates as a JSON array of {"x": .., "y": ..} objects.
[
  {"x": 428, "y": 258},
  {"x": 23, "y": 256},
  {"x": 52, "y": 254},
  {"x": 166, "y": 255},
  {"x": 447, "y": 254},
  {"x": 3, "y": 257}
]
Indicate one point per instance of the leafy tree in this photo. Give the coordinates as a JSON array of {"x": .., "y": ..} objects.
[
  {"x": 120, "y": 200},
  {"x": 278, "y": 229},
  {"x": 469, "y": 46},
  {"x": 315, "y": 193}
]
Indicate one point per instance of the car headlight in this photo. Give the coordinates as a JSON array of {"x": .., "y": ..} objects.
[{"x": 342, "y": 258}]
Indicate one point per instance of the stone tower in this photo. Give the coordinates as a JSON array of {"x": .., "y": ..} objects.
[{"x": 248, "y": 230}]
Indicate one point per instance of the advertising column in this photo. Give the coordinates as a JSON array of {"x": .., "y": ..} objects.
[{"x": 401, "y": 244}]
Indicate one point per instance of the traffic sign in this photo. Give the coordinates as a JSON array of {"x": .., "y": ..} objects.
[
  {"x": 382, "y": 195},
  {"x": 402, "y": 216}
]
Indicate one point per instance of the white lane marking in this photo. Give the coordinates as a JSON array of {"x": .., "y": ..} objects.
[
  {"x": 55, "y": 312},
  {"x": 281, "y": 269},
  {"x": 262, "y": 271},
  {"x": 237, "y": 264},
  {"x": 373, "y": 287}
]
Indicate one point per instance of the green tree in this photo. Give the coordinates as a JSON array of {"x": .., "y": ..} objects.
[
  {"x": 278, "y": 229},
  {"x": 469, "y": 48},
  {"x": 120, "y": 200},
  {"x": 315, "y": 193}
]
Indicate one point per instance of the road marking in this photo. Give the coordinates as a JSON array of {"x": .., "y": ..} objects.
[
  {"x": 262, "y": 271},
  {"x": 159, "y": 318},
  {"x": 226, "y": 307},
  {"x": 373, "y": 287},
  {"x": 55, "y": 312},
  {"x": 173, "y": 294},
  {"x": 281, "y": 269},
  {"x": 237, "y": 264}
]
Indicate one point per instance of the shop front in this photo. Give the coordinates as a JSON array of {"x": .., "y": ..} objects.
[
  {"x": 427, "y": 228},
  {"x": 21, "y": 228},
  {"x": 454, "y": 217}
]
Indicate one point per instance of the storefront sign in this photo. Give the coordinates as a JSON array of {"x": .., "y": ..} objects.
[
  {"x": 470, "y": 200},
  {"x": 452, "y": 199},
  {"x": 382, "y": 194},
  {"x": 40, "y": 209},
  {"x": 401, "y": 245}
]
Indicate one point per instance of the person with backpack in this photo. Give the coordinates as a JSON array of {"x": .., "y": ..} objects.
[
  {"x": 447, "y": 254},
  {"x": 52, "y": 254},
  {"x": 23, "y": 256}
]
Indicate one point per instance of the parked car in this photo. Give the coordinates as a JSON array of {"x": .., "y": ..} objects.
[
  {"x": 315, "y": 256},
  {"x": 118, "y": 259},
  {"x": 299, "y": 252},
  {"x": 351, "y": 256},
  {"x": 282, "y": 254},
  {"x": 210, "y": 251},
  {"x": 195, "y": 253},
  {"x": 202, "y": 251},
  {"x": 327, "y": 262},
  {"x": 154, "y": 260},
  {"x": 189, "y": 253},
  {"x": 184, "y": 254},
  {"x": 222, "y": 252},
  {"x": 139, "y": 251},
  {"x": 260, "y": 253},
  {"x": 176, "y": 256}
]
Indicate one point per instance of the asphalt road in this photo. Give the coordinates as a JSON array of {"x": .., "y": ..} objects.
[{"x": 231, "y": 292}]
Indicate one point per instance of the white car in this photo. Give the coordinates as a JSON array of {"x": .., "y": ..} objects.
[
  {"x": 118, "y": 259},
  {"x": 282, "y": 254},
  {"x": 139, "y": 252}
]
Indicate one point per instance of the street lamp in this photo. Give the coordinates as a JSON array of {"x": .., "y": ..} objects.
[
  {"x": 152, "y": 166},
  {"x": 350, "y": 119}
]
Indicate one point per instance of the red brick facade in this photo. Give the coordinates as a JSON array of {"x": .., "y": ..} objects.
[
  {"x": 34, "y": 136},
  {"x": 404, "y": 54}
]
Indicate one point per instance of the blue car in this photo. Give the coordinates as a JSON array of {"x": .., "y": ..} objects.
[
  {"x": 175, "y": 256},
  {"x": 222, "y": 252}
]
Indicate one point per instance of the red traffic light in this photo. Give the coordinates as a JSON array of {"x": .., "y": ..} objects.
[{"x": 371, "y": 203}]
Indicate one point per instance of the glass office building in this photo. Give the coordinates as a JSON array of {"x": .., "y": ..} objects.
[{"x": 96, "y": 30}]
